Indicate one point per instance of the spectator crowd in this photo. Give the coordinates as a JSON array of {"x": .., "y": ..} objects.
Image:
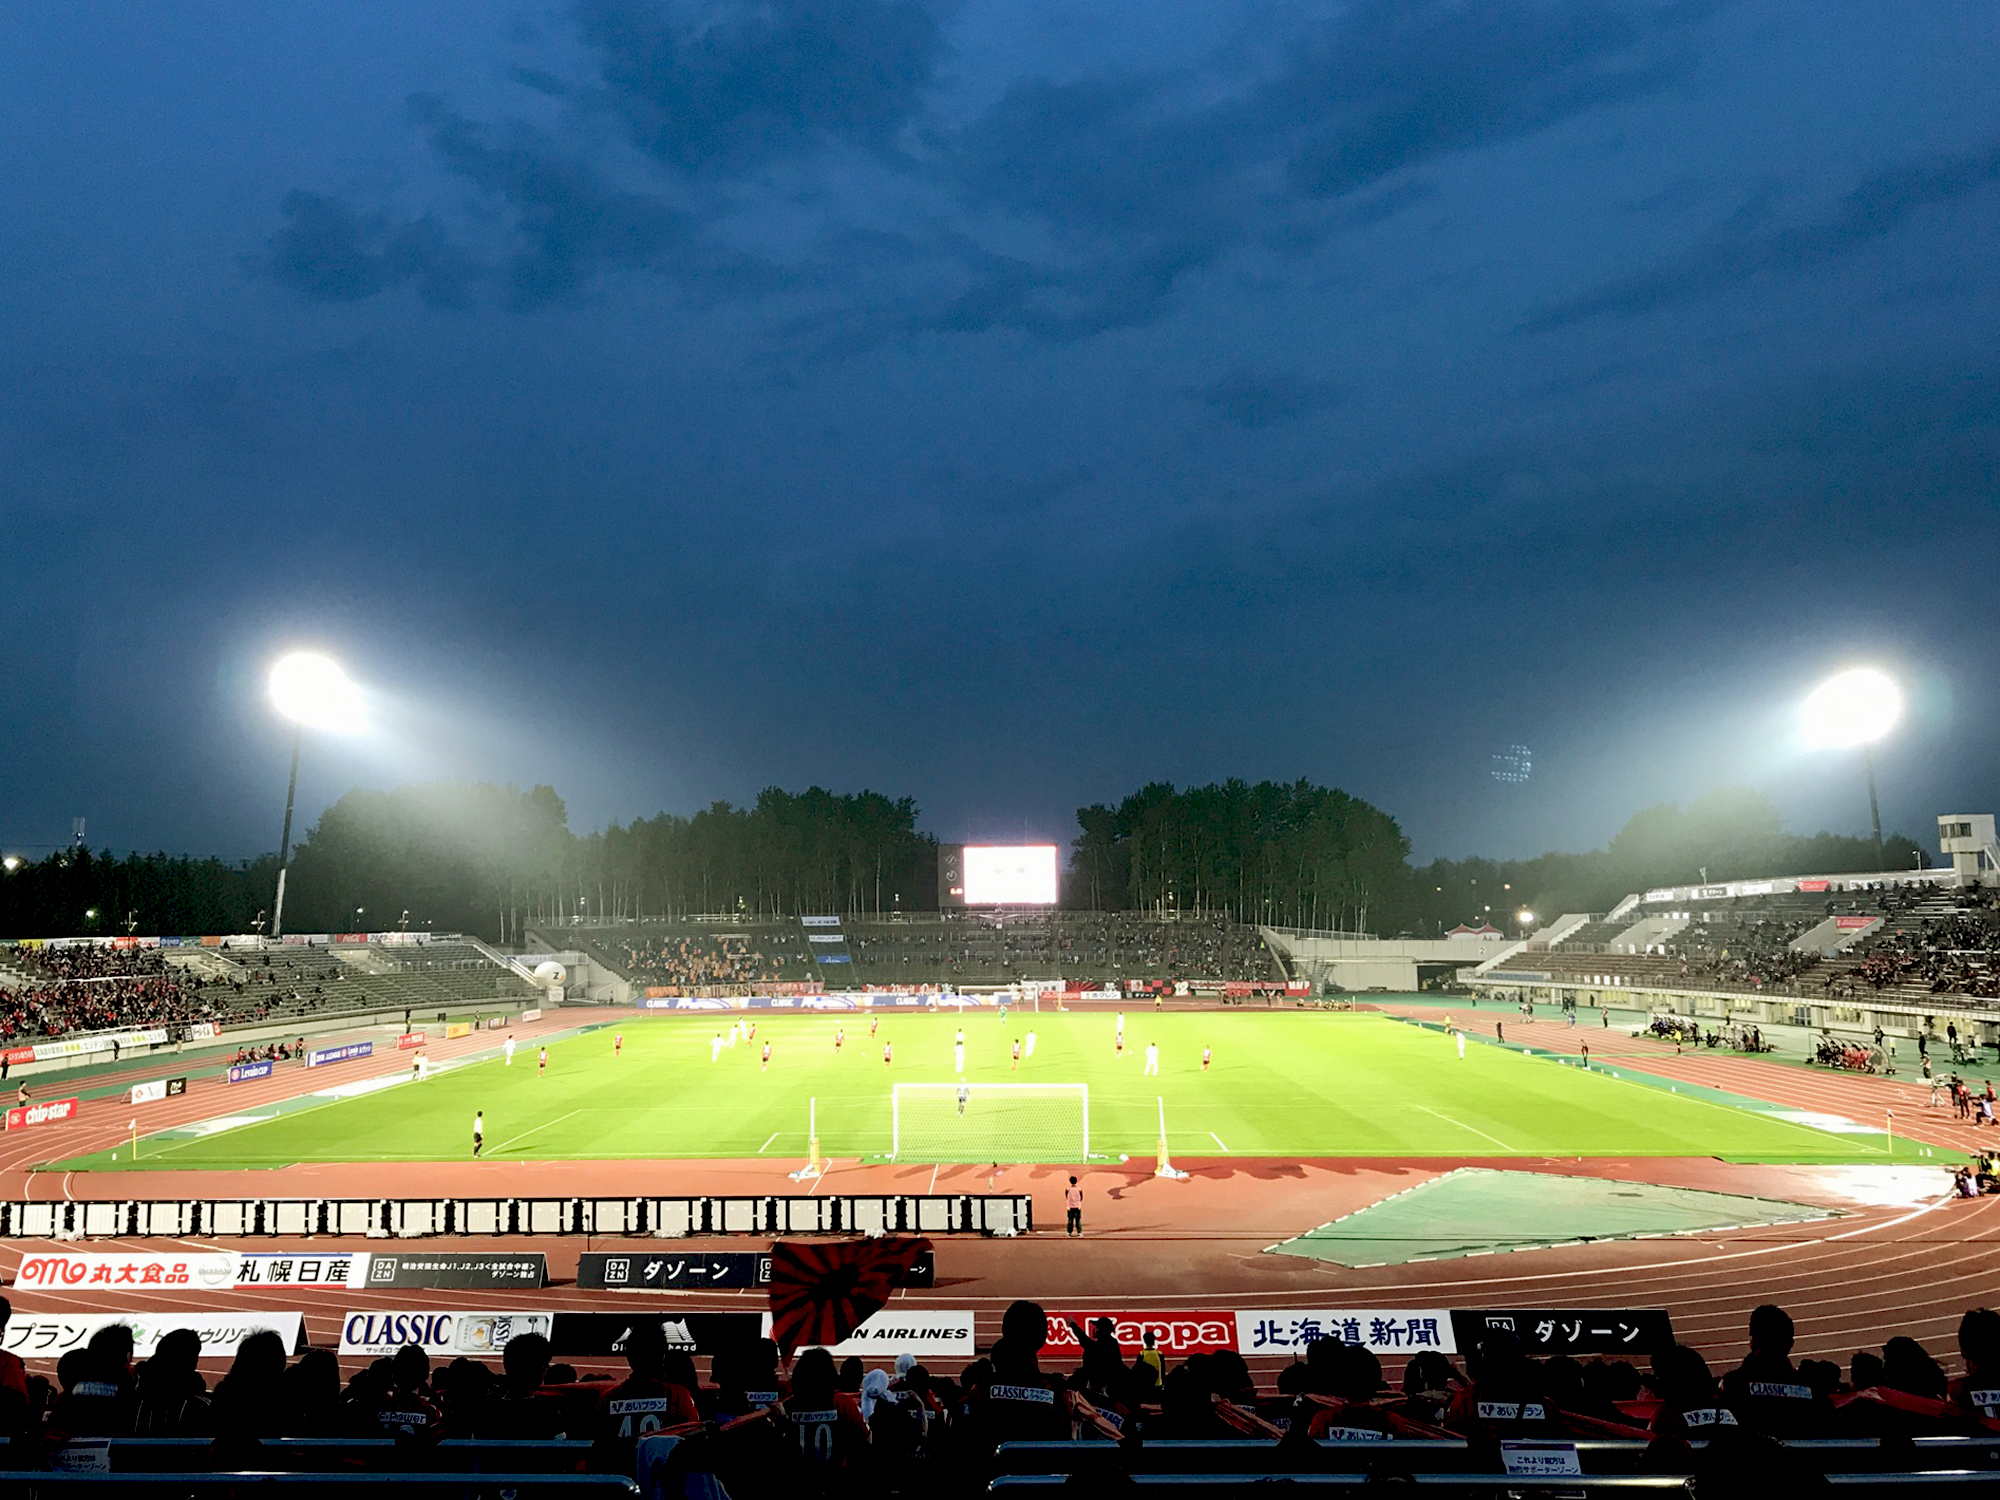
[{"x": 838, "y": 1428}]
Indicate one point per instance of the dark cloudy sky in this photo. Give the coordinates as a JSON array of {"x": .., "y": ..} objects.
[{"x": 1000, "y": 404}]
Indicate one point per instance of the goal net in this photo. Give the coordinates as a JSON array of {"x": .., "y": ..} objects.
[{"x": 1003, "y": 1122}]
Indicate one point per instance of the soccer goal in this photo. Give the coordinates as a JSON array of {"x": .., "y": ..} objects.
[{"x": 1003, "y": 1122}]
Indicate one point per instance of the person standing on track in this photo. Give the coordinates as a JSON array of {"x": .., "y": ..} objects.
[
  {"x": 478, "y": 1132},
  {"x": 1073, "y": 1201}
]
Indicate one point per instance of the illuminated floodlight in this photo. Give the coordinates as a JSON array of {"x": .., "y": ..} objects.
[
  {"x": 1525, "y": 917},
  {"x": 11, "y": 863},
  {"x": 311, "y": 689},
  {"x": 1855, "y": 707}
]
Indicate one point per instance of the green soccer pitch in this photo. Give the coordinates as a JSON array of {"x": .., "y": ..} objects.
[{"x": 1283, "y": 1084}]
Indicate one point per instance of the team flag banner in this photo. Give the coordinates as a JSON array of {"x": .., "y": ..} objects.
[
  {"x": 83, "y": 1046},
  {"x": 158, "y": 1089},
  {"x": 41, "y": 1114},
  {"x": 1175, "y": 1334},
  {"x": 925, "y": 1332},
  {"x": 432, "y": 1271},
  {"x": 49, "y": 1336},
  {"x": 61, "y": 1271},
  {"x": 682, "y": 1270},
  {"x": 1594, "y": 1330},
  {"x": 1401, "y": 1331},
  {"x": 324, "y": 1055},
  {"x": 243, "y": 1072}
]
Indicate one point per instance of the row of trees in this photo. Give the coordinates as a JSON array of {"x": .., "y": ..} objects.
[
  {"x": 471, "y": 857},
  {"x": 1296, "y": 855},
  {"x": 1732, "y": 834}
]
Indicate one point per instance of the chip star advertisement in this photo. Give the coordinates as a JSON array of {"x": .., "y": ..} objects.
[
  {"x": 49, "y": 1336},
  {"x": 42, "y": 1114},
  {"x": 1010, "y": 874},
  {"x": 926, "y": 1332},
  {"x": 475, "y": 1334}
]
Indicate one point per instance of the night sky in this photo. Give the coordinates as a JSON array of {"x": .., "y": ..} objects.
[{"x": 999, "y": 404}]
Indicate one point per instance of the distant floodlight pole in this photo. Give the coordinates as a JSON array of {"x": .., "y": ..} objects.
[
  {"x": 1856, "y": 707},
  {"x": 307, "y": 688},
  {"x": 285, "y": 838}
]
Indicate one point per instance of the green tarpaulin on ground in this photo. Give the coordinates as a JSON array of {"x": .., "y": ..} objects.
[{"x": 1480, "y": 1211}]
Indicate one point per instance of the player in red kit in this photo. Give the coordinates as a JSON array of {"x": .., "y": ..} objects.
[
  {"x": 886, "y": 1059},
  {"x": 839, "y": 1036},
  {"x": 542, "y": 1063},
  {"x": 618, "y": 1044},
  {"x": 1204, "y": 1059},
  {"x": 1017, "y": 1054}
]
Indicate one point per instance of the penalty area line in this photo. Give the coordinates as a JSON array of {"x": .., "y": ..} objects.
[
  {"x": 526, "y": 1133},
  {"x": 1473, "y": 1128},
  {"x": 1218, "y": 1141},
  {"x": 767, "y": 1144}
]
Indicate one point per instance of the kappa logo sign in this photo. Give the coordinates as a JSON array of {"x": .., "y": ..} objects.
[{"x": 1178, "y": 1334}]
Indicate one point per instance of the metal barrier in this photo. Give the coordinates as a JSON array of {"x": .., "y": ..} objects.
[
  {"x": 344, "y": 1455},
  {"x": 32, "y": 1484},
  {"x": 662, "y": 1217}
]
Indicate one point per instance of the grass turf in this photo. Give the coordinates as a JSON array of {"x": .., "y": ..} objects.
[{"x": 1283, "y": 1084}]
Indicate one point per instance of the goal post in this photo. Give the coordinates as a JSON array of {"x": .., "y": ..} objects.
[{"x": 993, "y": 1122}]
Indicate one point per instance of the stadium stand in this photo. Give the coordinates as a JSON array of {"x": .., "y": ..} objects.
[
  {"x": 1915, "y": 947},
  {"x": 1893, "y": 1420},
  {"x": 726, "y": 956},
  {"x": 60, "y": 991}
]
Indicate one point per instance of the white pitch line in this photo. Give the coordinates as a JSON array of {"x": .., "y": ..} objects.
[
  {"x": 1217, "y": 1139},
  {"x": 761, "y": 1149},
  {"x": 1463, "y": 1126},
  {"x": 543, "y": 1126},
  {"x": 934, "y": 1171}
]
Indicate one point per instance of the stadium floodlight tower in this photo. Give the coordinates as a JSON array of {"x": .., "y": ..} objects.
[
  {"x": 313, "y": 692},
  {"x": 1855, "y": 707}
]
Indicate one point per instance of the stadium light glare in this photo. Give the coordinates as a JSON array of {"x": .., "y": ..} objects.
[
  {"x": 11, "y": 863},
  {"x": 312, "y": 690},
  {"x": 1855, "y": 707},
  {"x": 1525, "y": 917}
]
